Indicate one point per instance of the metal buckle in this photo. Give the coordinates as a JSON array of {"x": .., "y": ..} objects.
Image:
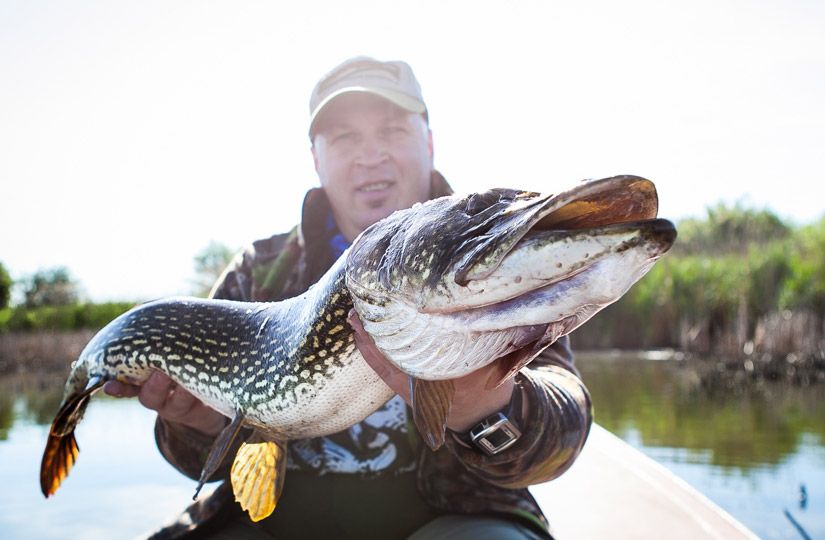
[{"x": 494, "y": 434}]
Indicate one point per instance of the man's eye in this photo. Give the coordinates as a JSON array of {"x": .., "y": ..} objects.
[
  {"x": 395, "y": 130},
  {"x": 343, "y": 137}
]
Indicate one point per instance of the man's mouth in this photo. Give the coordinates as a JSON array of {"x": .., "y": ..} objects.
[{"x": 375, "y": 186}]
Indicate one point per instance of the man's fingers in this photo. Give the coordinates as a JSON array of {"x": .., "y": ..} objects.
[
  {"x": 471, "y": 402},
  {"x": 155, "y": 390},
  {"x": 172, "y": 402},
  {"x": 179, "y": 403},
  {"x": 394, "y": 377},
  {"x": 368, "y": 349},
  {"x": 355, "y": 321},
  {"x": 119, "y": 389}
]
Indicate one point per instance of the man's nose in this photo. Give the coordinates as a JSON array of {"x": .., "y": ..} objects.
[{"x": 372, "y": 151}]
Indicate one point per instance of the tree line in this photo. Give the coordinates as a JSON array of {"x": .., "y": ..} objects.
[{"x": 52, "y": 298}]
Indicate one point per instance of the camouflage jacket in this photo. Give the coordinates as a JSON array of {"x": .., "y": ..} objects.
[{"x": 555, "y": 419}]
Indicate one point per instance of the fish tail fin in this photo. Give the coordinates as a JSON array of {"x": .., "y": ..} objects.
[
  {"x": 58, "y": 458},
  {"x": 258, "y": 477},
  {"x": 61, "y": 449}
]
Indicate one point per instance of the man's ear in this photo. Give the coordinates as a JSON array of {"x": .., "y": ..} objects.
[{"x": 430, "y": 147}]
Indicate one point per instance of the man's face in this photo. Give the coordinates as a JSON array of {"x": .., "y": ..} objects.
[{"x": 372, "y": 158}]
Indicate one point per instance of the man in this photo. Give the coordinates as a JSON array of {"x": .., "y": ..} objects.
[{"x": 373, "y": 152}]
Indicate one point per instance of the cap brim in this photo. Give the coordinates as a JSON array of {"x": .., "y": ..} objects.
[{"x": 408, "y": 103}]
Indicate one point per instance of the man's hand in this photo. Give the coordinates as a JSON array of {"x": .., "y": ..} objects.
[
  {"x": 172, "y": 402},
  {"x": 472, "y": 402}
]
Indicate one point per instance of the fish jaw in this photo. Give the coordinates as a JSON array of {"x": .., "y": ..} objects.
[{"x": 543, "y": 258}]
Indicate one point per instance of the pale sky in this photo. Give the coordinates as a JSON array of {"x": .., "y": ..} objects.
[{"x": 134, "y": 133}]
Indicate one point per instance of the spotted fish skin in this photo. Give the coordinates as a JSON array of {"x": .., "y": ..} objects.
[{"x": 273, "y": 362}]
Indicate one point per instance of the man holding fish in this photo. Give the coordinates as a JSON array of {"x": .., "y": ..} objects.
[{"x": 373, "y": 152}]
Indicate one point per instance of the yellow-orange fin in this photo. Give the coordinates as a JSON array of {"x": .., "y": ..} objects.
[
  {"x": 431, "y": 402},
  {"x": 258, "y": 477}
]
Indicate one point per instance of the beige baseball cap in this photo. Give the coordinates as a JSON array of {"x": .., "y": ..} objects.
[{"x": 393, "y": 81}]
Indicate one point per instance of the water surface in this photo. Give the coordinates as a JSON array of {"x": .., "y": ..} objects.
[
  {"x": 120, "y": 487},
  {"x": 752, "y": 448},
  {"x": 748, "y": 447}
]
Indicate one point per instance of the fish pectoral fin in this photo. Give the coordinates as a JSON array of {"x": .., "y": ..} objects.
[
  {"x": 61, "y": 450},
  {"x": 431, "y": 402},
  {"x": 219, "y": 450},
  {"x": 510, "y": 364},
  {"x": 258, "y": 477}
]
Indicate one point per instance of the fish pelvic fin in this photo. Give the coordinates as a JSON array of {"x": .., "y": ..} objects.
[
  {"x": 431, "y": 402},
  {"x": 258, "y": 477},
  {"x": 61, "y": 450},
  {"x": 219, "y": 450}
]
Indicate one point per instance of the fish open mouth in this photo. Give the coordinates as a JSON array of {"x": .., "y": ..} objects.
[
  {"x": 649, "y": 239},
  {"x": 616, "y": 212},
  {"x": 590, "y": 205}
]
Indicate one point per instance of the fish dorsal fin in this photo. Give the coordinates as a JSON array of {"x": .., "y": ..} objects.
[
  {"x": 431, "y": 402},
  {"x": 219, "y": 450},
  {"x": 258, "y": 477}
]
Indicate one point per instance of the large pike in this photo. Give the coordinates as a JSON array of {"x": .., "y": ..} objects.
[{"x": 443, "y": 288}]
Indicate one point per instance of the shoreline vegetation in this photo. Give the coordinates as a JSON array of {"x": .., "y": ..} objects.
[
  {"x": 741, "y": 291},
  {"x": 41, "y": 351},
  {"x": 53, "y": 351}
]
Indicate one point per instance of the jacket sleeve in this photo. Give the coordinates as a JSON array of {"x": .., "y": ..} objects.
[{"x": 555, "y": 420}]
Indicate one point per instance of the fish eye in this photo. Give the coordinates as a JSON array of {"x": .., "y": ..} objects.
[{"x": 478, "y": 202}]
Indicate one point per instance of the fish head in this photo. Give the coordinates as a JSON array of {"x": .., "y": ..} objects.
[{"x": 503, "y": 264}]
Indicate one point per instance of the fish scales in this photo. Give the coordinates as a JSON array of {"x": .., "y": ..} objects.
[{"x": 280, "y": 370}]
